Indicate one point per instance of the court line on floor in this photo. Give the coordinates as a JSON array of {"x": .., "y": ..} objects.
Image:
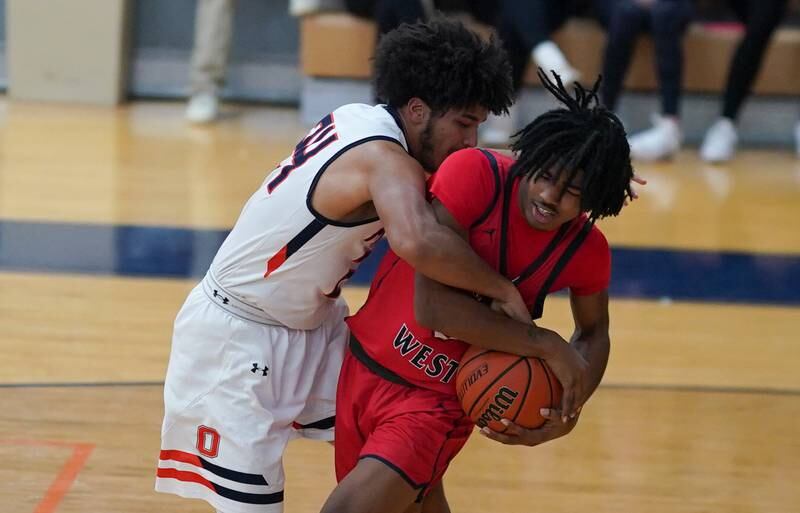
[
  {"x": 737, "y": 277},
  {"x": 706, "y": 389},
  {"x": 613, "y": 386},
  {"x": 69, "y": 472},
  {"x": 83, "y": 384}
]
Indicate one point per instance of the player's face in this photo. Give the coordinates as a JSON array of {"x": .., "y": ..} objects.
[
  {"x": 447, "y": 133},
  {"x": 547, "y": 202}
]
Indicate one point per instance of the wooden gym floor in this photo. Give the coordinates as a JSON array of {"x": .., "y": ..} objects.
[{"x": 108, "y": 218}]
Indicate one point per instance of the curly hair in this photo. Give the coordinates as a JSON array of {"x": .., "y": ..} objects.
[
  {"x": 581, "y": 136},
  {"x": 444, "y": 64}
]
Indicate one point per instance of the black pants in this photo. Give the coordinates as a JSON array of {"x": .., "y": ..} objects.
[
  {"x": 523, "y": 24},
  {"x": 389, "y": 14},
  {"x": 760, "y": 17},
  {"x": 666, "y": 20}
]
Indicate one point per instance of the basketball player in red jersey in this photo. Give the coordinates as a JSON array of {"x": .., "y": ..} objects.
[{"x": 399, "y": 422}]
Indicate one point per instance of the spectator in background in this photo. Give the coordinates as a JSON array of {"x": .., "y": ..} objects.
[
  {"x": 760, "y": 17},
  {"x": 666, "y": 20},
  {"x": 797, "y": 138},
  {"x": 526, "y": 27},
  {"x": 389, "y": 14},
  {"x": 212, "y": 40}
]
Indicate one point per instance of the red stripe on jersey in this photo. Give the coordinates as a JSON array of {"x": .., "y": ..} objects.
[
  {"x": 276, "y": 261},
  {"x": 182, "y": 475},
  {"x": 184, "y": 457}
]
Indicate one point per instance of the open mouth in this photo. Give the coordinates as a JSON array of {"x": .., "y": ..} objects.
[
  {"x": 544, "y": 210},
  {"x": 542, "y": 213}
]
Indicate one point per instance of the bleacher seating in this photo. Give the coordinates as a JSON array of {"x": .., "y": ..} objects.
[{"x": 336, "y": 48}]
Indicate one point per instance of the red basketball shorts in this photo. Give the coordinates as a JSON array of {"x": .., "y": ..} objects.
[{"x": 415, "y": 431}]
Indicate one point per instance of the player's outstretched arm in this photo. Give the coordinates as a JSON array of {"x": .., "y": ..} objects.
[
  {"x": 397, "y": 189},
  {"x": 592, "y": 341},
  {"x": 591, "y": 338}
]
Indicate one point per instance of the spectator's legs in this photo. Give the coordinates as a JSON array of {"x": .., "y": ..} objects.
[
  {"x": 526, "y": 25},
  {"x": 363, "y": 8},
  {"x": 761, "y": 17},
  {"x": 515, "y": 45},
  {"x": 668, "y": 22},
  {"x": 797, "y": 138},
  {"x": 390, "y": 14},
  {"x": 626, "y": 20},
  {"x": 485, "y": 11},
  {"x": 212, "y": 38}
]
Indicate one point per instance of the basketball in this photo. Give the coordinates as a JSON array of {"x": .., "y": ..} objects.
[{"x": 492, "y": 385}]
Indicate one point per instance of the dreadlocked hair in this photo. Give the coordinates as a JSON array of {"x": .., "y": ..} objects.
[
  {"x": 581, "y": 136},
  {"x": 444, "y": 64}
]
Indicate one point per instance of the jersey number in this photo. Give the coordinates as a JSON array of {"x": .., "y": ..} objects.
[
  {"x": 317, "y": 139},
  {"x": 370, "y": 241}
]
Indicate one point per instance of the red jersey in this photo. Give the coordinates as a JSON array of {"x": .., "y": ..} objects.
[{"x": 470, "y": 184}]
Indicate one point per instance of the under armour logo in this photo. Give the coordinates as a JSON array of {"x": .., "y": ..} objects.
[
  {"x": 256, "y": 368},
  {"x": 224, "y": 299}
]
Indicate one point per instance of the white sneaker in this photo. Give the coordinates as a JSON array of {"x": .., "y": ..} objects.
[
  {"x": 797, "y": 138},
  {"x": 548, "y": 56},
  {"x": 202, "y": 108},
  {"x": 496, "y": 131},
  {"x": 719, "y": 143},
  {"x": 662, "y": 141}
]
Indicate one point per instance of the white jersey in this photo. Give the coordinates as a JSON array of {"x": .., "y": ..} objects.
[{"x": 283, "y": 257}]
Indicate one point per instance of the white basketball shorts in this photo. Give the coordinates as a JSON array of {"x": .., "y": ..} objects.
[{"x": 236, "y": 392}]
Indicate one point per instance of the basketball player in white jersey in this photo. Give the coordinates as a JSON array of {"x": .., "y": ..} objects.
[{"x": 258, "y": 345}]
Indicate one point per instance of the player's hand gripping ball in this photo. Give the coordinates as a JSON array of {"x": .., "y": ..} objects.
[{"x": 492, "y": 385}]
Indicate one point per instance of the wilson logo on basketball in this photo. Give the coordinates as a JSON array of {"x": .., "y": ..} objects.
[
  {"x": 471, "y": 379},
  {"x": 502, "y": 401}
]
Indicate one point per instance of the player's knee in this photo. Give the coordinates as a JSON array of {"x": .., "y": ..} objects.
[
  {"x": 337, "y": 506},
  {"x": 347, "y": 503}
]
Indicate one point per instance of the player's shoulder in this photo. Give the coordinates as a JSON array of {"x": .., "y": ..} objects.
[
  {"x": 357, "y": 109},
  {"x": 363, "y": 114},
  {"x": 467, "y": 155},
  {"x": 478, "y": 161},
  {"x": 483, "y": 156},
  {"x": 364, "y": 120},
  {"x": 380, "y": 156},
  {"x": 596, "y": 241},
  {"x": 504, "y": 158}
]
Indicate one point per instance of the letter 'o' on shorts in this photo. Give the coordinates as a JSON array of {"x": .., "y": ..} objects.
[{"x": 236, "y": 392}]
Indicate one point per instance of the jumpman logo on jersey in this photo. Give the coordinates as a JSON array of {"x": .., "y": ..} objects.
[
  {"x": 256, "y": 368},
  {"x": 224, "y": 299}
]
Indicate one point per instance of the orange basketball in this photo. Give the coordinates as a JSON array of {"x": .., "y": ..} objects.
[{"x": 492, "y": 385}]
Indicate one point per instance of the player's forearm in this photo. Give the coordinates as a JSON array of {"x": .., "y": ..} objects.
[
  {"x": 594, "y": 348},
  {"x": 478, "y": 325},
  {"x": 443, "y": 256},
  {"x": 457, "y": 315}
]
